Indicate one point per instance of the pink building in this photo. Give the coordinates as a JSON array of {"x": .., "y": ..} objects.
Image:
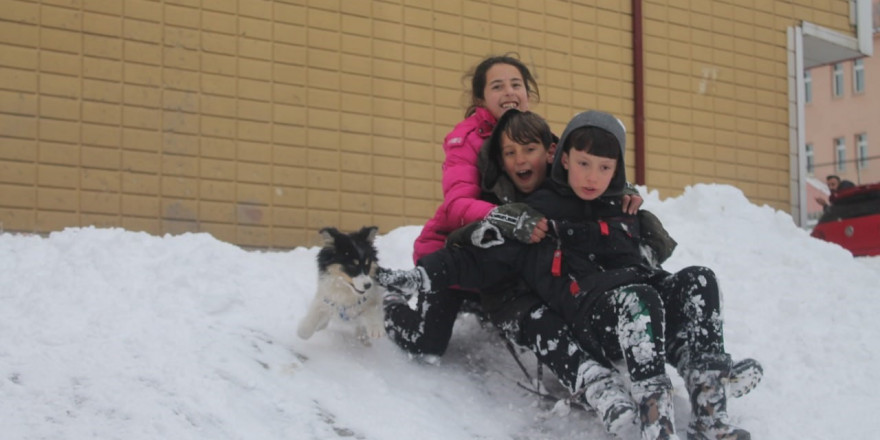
[{"x": 842, "y": 123}]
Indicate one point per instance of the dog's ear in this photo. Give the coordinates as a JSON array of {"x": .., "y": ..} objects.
[
  {"x": 329, "y": 235},
  {"x": 368, "y": 233}
]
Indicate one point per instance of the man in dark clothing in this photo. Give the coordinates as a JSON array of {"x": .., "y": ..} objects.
[{"x": 834, "y": 185}]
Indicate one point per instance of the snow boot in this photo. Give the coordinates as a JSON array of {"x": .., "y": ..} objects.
[
  {"x": 406, "y": 281},
  {"x": 393, "y": 297},
  {"x": 605, "y": 392},
  {"x": 654, "y": 397},
  {"x": 744, "y": 377},
  {"x": 703, "y": 378}
]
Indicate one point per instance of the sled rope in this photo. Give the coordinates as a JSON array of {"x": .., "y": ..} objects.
[
  {"x": 522, "y": 367},
  {"x": 573, "y": 398}
]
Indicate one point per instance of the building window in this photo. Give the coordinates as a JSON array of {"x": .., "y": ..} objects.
[
  {"x": 840, "y": 150},
  {"x": 837, "y": 80},
  {"x": 808, "y": 86},
  {"x": 862, "y": 150},
  {"x": 811, "y": 163},
  {"x": 858, "y": 76}
]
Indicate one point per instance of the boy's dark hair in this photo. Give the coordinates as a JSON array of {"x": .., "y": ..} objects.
[
  {"x": 522, "y": 128},
  {"x": 833, "y": 176},
  {"x": 593, "y": 140},
  {"x": 525, "y": 128},
  {"x": 478, "y": 79}
]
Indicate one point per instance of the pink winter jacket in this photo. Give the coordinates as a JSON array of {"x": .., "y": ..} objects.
[{"x": 461, "y": 183}]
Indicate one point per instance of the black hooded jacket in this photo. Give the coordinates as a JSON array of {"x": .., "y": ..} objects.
[{"x": 599, "y": 243}]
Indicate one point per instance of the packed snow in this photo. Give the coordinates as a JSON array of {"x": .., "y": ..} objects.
[{"x": 111, "y": 334}]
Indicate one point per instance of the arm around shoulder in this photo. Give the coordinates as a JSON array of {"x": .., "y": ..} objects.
[{"x": 655, "y": 236}]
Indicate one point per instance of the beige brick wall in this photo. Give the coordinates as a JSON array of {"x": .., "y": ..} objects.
[{"x": 261, "y": 121}]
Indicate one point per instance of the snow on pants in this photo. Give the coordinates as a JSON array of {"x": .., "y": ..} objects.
[
  {"x": 546, "y": 334},
  {"x": 427, "y": 328},
  {"x": 629, "y": 321},
  {"x": 694, "y": 325},
  {"x": 634, "y": 312}
]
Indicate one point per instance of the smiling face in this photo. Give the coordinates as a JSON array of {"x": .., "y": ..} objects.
[
  {"x": 505, "y": 89},
  {"x": 588, "y": 175},
  {"x": 525, "y": 164}
]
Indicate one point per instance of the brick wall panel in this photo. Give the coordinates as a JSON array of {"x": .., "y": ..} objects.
[
  {"x": 318, "y": 199},
  {"x": 290, "y": 197},
  {"x": 180, "y": 144},
  {"x": 217, "y": 212},
  {"x": 254, "y": 28},
  {"x": 223, "y": 191},
  {"x": 139, "y": 183},
  {"x": 100, "y": 203},
  {"x": 253, "y": 236},
  {"x": 179, "y": 212},
  {"x": 51, "y": 220},
  {"x": 253, "y": 194},
  {"x": 57, "y": 199},
  {"x": 12, "y": 219},
  {"x": 17, "y": 196},
  {"x": 288, "y": 105},
  {"x": 180, "y": 166}
]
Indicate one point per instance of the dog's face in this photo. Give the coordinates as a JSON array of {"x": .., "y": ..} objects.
[{"x": 351, "y": 257}]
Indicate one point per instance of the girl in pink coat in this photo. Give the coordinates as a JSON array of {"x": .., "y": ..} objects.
[{"x": 499, "y": 84}]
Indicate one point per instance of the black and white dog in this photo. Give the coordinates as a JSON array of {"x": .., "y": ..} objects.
[{"x": 347, "y": 290}]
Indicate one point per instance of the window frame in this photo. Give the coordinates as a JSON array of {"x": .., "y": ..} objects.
[
  {"x": 809, "y": 153},
  {"x": 837, "y": 80},
  {"x": 808, "y": 86},
  {"x": 858, "y": 76},
  {"x": 862, "y": 151},
  {"x": 840, "y": 153}
]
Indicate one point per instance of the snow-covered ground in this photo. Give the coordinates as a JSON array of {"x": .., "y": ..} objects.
[{"x": 111, "y": 334}]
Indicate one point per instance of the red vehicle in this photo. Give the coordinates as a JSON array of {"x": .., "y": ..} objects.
[{"x": 853, "y": 220}]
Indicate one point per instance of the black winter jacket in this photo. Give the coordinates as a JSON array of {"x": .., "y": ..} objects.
[{"x": 598, "y": 243}]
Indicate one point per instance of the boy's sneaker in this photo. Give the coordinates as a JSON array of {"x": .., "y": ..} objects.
[
  {"x": 405, "y": 281},
  {"x": 744, "y": 376},
  {"x": 392, "y": 297}
]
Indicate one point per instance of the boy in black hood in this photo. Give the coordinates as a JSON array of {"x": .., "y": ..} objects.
[
  {"x": 513, "y": 163},
  {"x": 594, "y": 274}
]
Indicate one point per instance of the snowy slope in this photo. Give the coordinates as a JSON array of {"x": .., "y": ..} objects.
[{"x": 112, "y": 334}]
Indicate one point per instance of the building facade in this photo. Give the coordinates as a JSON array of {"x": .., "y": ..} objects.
[
  {"x": 261, "y": 121},
  {"x": 843, "y": 122}
]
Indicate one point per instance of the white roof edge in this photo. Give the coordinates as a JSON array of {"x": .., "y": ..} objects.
[{"x": 829, "y": 35}]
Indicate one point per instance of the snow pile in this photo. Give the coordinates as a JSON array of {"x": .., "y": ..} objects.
[{"x": 106, "y": 334}]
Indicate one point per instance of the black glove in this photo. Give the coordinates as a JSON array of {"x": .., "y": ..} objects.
[
  {"x": 481, "y": 234},
  {"x": 515, "y": 220},
  {"x": 486, "y": 235}
]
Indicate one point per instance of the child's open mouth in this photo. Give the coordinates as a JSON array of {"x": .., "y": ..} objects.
[{"x": 524, "y": 175}]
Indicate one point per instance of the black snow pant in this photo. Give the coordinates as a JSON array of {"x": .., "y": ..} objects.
[
  {"x": 521, "y": 316},
  {"x": 627, "y": 321},
  {"x": 694, "y": 326},
  {"x": 525, "y": 320},
  {"x": 426, "y": 330}
]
